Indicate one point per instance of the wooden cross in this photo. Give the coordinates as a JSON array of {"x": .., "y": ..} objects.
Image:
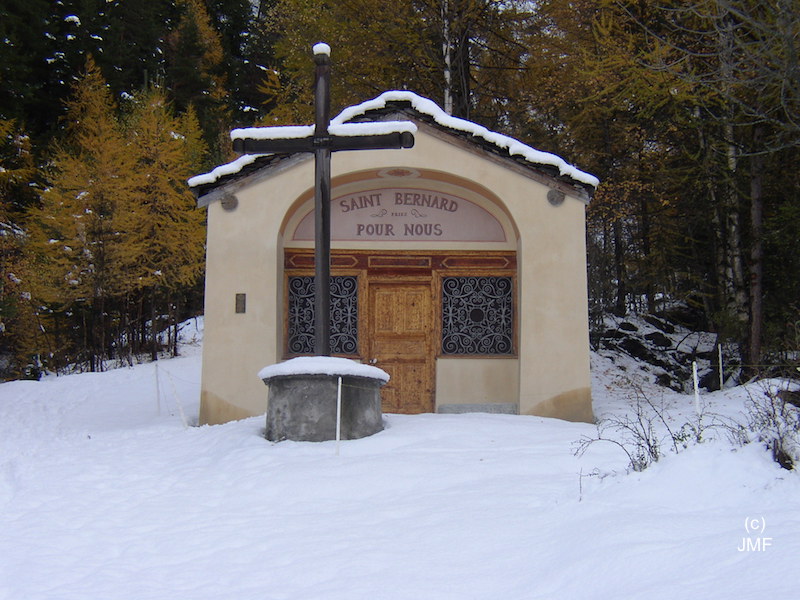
[{"x": 322, "y": 143}]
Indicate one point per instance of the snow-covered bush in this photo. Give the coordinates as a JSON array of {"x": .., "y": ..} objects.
[{"x": 774, "y": 420}]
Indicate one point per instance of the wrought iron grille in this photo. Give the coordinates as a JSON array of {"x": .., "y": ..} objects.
[
  {"x": 477, "y": 315},
  {"x": 344, "y": 315}
]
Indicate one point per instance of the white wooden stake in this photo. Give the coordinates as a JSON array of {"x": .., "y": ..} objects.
[
  {"x": 721, "y": 372},
  {"x": 177, "y": 400},
  {"x": 696, "y": 388},
  {"x": 158, "y": 391},
  {"x": 338, "y": 415}
]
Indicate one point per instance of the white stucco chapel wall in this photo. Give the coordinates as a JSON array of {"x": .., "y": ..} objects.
[{"x": 549, "y": 375}]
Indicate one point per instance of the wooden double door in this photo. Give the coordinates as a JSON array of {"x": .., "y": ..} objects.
[
  {"x": 393, "y": 312},
  {"x": 399, "y": 340}
]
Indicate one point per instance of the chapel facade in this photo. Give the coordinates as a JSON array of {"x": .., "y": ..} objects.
[{"x": 458, "y": 266}]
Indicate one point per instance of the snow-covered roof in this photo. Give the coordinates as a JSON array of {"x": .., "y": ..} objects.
[
  {"x": 430, "y": 108},
  {"x": 221, "y": 171},
  {"x": 340, "y": 125}
]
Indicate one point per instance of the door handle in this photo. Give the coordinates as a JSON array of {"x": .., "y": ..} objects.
[{"x": 373, "y": 361}]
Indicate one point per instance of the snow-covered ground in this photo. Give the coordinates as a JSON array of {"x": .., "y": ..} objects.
[{"x": 109, "y": 491}]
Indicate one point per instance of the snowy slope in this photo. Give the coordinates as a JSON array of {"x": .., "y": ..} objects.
[{"x": 107, "y": 493}]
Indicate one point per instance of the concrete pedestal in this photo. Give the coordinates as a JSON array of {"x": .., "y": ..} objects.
[{"x": 302, "y": 405}]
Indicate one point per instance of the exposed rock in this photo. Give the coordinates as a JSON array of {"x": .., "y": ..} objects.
[
  {"x": 613, "y": 334},
  {"x": 790, "y": 397},
  {"x": 659, "y": 339},
  {"x": 659, "y": 324},
  {"x": 691, "y": 318},
  {"x": 709, "y": 380},
  {"x": 666, "y": 354},
  {"x": 618, "y": 313},
  {"x": 666, "y": 380},
  {"x": 637, "y": 349}
]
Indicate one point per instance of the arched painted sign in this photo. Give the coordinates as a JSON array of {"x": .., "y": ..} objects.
[{"x": 405, "y": 215}]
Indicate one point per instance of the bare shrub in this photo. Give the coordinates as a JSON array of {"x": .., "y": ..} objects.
[{"x": 647, "y": 433}]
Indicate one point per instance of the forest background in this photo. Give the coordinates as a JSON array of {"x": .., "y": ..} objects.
[{"x": 688, "y": 112}]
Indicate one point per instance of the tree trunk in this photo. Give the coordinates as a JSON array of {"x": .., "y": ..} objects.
[
  {"x": 153, "y": 327},
  {"x": 139, "y": 325},
  {"x": 173, "y": 309},
  {"x": 619, "y": 266},
  {"x": 735, "y": 279},
  {"x": 648, "y": 268},
  {"x": 463, "y": 64},
  {"x": 88, "y": 335},
  {"x": 456, "y": 38},
  {"x": 447, "y": 56},
  {"x": 99, "y": 337},
  {"x": 756, "y": 254},
  {"x": 127, "y": 330},
  {"x": 736, "y": 297}
]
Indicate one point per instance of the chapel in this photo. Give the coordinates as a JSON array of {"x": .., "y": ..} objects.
[{"x": 458, "y": 266}]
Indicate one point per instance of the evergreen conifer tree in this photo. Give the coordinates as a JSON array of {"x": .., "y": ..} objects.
[
  {"x": 81, "y": 247},
  {"x": 17, "y": 174},
  {"x": 195, "y": 72},
  {"x": 170, "y": 227}
]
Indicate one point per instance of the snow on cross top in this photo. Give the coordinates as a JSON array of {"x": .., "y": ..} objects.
[{"x": 322, "y": 48}]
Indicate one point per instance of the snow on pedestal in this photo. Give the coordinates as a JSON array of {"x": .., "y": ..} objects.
[{"x": 322, "y": 365}]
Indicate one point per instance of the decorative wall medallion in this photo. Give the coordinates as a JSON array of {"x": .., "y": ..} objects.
[
  {"x": 555, "y": 197},
  {"x": 229, "y": 202},
  {"x": 398, "y": 172}
]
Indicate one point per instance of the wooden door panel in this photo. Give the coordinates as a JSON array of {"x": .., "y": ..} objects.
[
  {"x": 383, "y": 312},
  {"x": 401, "y": 343},
  {"x": 400, "y": 311},
  {"x": 407, "y": 391},
  {"x": 414, "y": 313},
  {"x": 390, "y": 396},
  {"x": 415, "y": 393},
  {"x": 396, "y": 348}
]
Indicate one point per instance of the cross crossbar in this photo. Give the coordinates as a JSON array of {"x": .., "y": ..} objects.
[{"x": 394, "y": 140}]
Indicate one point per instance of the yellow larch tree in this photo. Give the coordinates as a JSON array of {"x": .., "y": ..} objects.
[
  {"x": 17, "y": 319},
  {"x": 80, "y": 246},
  {"x": 170, "y": 227}
]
